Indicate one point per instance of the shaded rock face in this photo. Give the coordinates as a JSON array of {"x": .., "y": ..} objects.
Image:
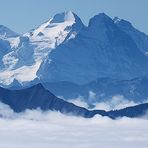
[
  {"x": 72, "y": 59},
  {"x": 131, "y": 112},
  {"x": 100, "y": 50},
  {"x": 38, "y": 97},
  {"x": 140, "y": 38},
  {"x": 103, "y": 88},
  {"x": 63, "y": 49}
]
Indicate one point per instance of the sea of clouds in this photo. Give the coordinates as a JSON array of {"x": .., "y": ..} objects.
[{"x": 37, "y": 129}]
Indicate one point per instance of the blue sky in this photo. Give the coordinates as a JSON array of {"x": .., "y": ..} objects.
[{"x": 24, "y": 15}]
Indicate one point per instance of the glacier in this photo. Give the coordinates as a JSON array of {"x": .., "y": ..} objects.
[{"x": 24, "y": 53}]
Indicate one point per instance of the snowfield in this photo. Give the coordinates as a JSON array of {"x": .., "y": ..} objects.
[
  {"x": 22, "y": 74},
  {"x": 25, "y": 52}
]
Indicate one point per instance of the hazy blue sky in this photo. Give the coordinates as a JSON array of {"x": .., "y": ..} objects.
[{"x": 23, "y": 15}]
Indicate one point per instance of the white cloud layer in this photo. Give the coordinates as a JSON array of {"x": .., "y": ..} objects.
[
  {"x": 35, "y": 129},
  {"x": 116, "y": 102}
]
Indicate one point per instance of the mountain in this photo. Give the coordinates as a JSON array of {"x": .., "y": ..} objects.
[
  {"x": 27, "y": 51},
  {"x": 138, "y": 111},
  {"x": 72, "y": 59},
  {"x": 38, "y": 97},
  {"x": 131, "y": 112},
  {"x": 59, "y": 29},
  {"x": 100, "y": 50},
  {"x": 104, "y": 89},
  {"x": 140, "y": 38}
]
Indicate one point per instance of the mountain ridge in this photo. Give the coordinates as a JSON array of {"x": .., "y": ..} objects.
[
  {"x": 38, "y": 97},
  {"x": 104, "y": 50},
  {"x": 107, "y": 50}
]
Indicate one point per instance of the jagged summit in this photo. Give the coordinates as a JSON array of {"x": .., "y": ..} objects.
[
  {"x": 122, "y": 22},
  {"x": 64, "y": 16},
  {"x": 100, "y": 19},
  {"x": 54, "y": 31},
  {"x": 60, "y": 18},
  {"x": 63, "y": 49},
  {"x": 57, "y": 30},
  {"x": 101, "y": 49}
]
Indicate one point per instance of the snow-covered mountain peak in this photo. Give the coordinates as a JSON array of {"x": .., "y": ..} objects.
[
  {"x": 101, "y": 49},
  {"x": 63, "y": 17},
  {"x": 52, "y": 33},
  {"x": 21, "y": 55},
  {"x": 105, "y": 48},
  {"x": 60, "y": 25}
]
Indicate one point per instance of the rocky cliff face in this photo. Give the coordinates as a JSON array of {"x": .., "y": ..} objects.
[
  {"x": 100, "y": 50},
  {"x": 140, "y": 38},
  {"x": 38, "y": 97}
]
